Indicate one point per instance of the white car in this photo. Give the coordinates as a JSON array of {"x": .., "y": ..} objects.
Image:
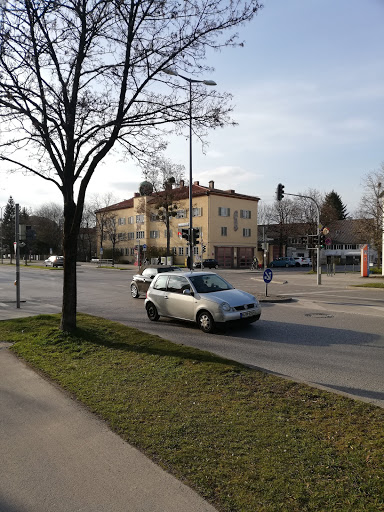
[
  {"x": 303, "y": 262},
  {"x": 55, "y": 261},
  {"x": 201, "y": 297}
]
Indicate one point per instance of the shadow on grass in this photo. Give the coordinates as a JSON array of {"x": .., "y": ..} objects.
[{"x": 139, "y": 342}]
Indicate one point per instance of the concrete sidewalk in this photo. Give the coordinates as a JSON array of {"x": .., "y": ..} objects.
[{"x": 57, "y": 456}]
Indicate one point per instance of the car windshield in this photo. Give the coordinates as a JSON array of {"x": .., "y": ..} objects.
[{"x": 209, "y": 283}]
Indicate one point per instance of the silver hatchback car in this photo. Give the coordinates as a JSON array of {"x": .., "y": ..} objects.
[{"x": 202, "y": 297}]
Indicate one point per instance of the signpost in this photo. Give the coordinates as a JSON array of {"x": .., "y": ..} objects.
[{"x": 267, "y": 276}]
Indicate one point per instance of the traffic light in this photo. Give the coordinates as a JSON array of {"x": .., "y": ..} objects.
[
  {"x": 195, "y": 235},
  {"x": 321, "y": 240},
  {"x": 280, "y": 192},
  {"x": 185, "y": 234}
]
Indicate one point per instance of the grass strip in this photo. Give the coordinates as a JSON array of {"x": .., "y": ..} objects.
[
  {"x": 244, "y": 439},
  {"x": 369, "y": 285}
]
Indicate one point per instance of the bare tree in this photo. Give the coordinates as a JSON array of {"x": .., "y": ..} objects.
[
  {"x": 79, "y": 78},
  {"x": 101, "y": 203},
  {"x": 371, "y": 208},
  {"x": 163, "y": 175},
  {"x": 48, "y": 222}
]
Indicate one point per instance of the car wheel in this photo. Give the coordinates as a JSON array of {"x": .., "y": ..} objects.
[
  {"x": 134, "y": 291},
  {"x": 286, "y": 265},
  {"x": 206, "y": 322},
  {"x": 216, "y": 266},
  {"x": 271, "y": 265},
  {"x": 152, "y": 313}
]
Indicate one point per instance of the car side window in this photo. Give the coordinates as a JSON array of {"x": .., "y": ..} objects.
[
  {"x": 178, "y": 284},
  {"x": 161, "y": 283}
]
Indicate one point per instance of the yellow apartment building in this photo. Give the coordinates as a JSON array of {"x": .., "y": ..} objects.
[{"x": 227, "y": 222}]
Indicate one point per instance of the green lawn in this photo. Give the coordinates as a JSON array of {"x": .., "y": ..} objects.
[{"x": 245, "y": 440}]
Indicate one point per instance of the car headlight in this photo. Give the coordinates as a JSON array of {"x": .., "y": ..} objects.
[
  {"x": 225, "y": 306},
  {"x": 255, "y": 300}
]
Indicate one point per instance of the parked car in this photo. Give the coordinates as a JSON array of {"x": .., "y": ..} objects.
[
  {"x": 55, "y": 261},
  {"x": 141, "y": 281},
  {"x": 303, "y": 262},
  {"x": 208, "y": 263},
  {"x": 201, "y": 297},
  {"x": 283, "y": 262}
]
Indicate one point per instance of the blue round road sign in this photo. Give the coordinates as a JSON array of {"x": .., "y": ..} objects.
[{"x": 267, "y": 275}]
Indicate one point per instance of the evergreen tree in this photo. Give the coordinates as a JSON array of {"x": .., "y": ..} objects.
[
  {"x": 8, "y": 227},
  {"x": 333, "y": 208}
]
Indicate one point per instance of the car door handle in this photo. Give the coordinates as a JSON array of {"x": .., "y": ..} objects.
[{"x": 165, "y": 296}]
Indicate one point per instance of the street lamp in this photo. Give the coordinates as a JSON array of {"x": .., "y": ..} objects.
[{"x": 173, "y": 72}]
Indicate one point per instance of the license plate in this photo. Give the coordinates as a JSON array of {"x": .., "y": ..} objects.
[{"x": 247, "y": 313}]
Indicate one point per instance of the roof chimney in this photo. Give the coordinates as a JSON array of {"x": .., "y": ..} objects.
[
  {"x": 137, "y": 194},
  {"x": 212, "y": 184},
  {"x": 181, "y": 185},
  {"x": 196, "y": 183}
]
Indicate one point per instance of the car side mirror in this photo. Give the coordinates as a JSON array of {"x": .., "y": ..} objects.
[
  {"x": 187, "y": 291},
  {"x": 153, "y": 276}
]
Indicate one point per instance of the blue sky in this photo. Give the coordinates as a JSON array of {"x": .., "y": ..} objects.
[{"x": 308, "y": 91}]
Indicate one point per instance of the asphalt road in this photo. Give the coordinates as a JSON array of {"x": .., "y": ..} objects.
[{"x": 330, "y": 336}]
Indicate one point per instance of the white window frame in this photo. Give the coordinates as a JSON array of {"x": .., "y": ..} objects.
[
  {"x": 154, "y": 234},
  {"x": 131, "y": 235},
  {"x": 197, "y": 212},
  {"x": 247, "y": 232},
  {"x": 224, "y": 212},
  {"x": 245, "y": 214},
  {"x": 181, "y": 251},
  {"x": 131, "y": 220},
  {"x": 181, "y": 214},
  {"x": 224, "y": 231},
  {"x": 140, "y": 219},
  {"x": 140, "y": 235}
]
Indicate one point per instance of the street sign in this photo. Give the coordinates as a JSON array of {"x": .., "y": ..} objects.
[
  {"x": 328, "y": 241},
  {"x": 144, "y": 246},
  {"x": 325, "y": 231},
  {"x": 267, "y": 275}
]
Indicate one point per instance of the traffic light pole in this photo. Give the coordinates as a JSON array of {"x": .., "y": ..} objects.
[{"x": 318, "y": 267}]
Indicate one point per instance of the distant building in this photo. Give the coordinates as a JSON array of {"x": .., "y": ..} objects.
[
  {"x": 343, "y": 242},
  {"x": 227, "y": 223}
]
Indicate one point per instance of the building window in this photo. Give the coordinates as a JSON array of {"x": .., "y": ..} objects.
[
  {"x": 181, "y": 251},
  {"x": 121, "y": 221},
  {"x": 175, "y": 251},
  {"x": 196, "y": 250},
  {"x": 131, "y": 220},
  {"x": 224, "y": 212},
  {"x": 245, "y": 214},
  {"x": 126, "y": 251},
  {"x": 140, "y": 219},
  {"x": 246, "y": 232},
  {"x": 165, "y": 233},
  {"x": 132, "y": 251},
  {"x": 139, "y": 235},
  {"x": 181, "y": 214},
  {"x": 154, "y": 234},
  {"x": 197, "y": 212},
  {"x": 131, "y": 236},
  {"x": 224, "y": 231},
  {"x": 153, "y": 217}
]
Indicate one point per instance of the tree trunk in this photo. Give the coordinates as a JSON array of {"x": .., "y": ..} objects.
[{"x": 71, "y": 231}]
